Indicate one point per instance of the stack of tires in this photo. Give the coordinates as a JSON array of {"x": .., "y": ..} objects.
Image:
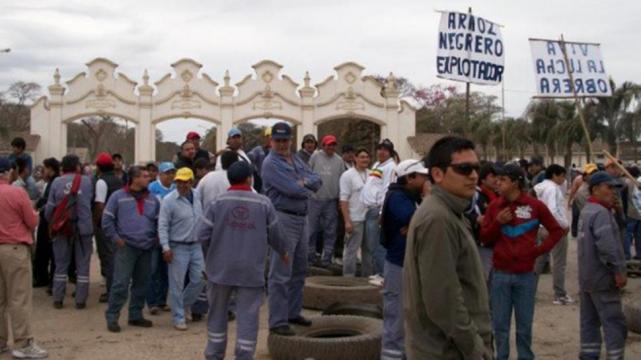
[{"x": 350, "y": 328}]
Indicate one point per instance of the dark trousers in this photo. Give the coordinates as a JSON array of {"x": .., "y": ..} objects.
[
  {"x": 105, "y": 251},
  {"x": 131, "y": 270},
  {"x": 159, "y": 280},
  {"x": 601, "y": 310},
  {"x": 43, "y": 266}
]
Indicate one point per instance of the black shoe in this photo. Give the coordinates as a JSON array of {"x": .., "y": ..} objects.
[
  {"x": 284, "y": 330},
  {"x": 113, "y": 327},
  {"x": 57, "y": 304},
  {"x": 231, "y": 316},
  {"x": 81, "y": 306},
  {"x": 103, "y": 298},
  {"x": 196, "y": 317},
  {"x": 141, "y": 323},
  {"x": 300, "y": 321},
  {"x": 49, "y": 291}
]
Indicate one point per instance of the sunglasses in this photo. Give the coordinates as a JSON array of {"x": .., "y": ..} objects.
[{"x": 466, "y": 169}]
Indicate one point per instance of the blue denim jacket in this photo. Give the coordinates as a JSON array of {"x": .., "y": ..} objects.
[
  {"x": 178, "y": 218},
  {"x": 281, "y": 183}
]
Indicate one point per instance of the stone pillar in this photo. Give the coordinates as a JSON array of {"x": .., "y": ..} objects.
[
  {"x": 226, "y": 113},
  {"x": 145, "y": 139},
  {"x": 393, "y": 129},
  {"x": 308, "y": 107},
  {"x": 57, "y": 135}
]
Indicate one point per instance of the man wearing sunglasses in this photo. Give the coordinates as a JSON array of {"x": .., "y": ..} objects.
[
  {"x": 445, "y": 300},
  {"x": 512, "y": 223}
]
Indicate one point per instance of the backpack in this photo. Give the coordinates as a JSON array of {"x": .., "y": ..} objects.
[{"x": 61, "y": 220}]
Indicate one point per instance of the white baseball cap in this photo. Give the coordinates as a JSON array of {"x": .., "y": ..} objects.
[{"x": 410, "y": 166}]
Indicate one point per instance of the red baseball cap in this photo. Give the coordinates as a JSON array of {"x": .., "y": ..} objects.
[
  {"x": 104, "y": 159},
  {"x": 192, "y": 135},
  {"x": 329, "y": 139}
]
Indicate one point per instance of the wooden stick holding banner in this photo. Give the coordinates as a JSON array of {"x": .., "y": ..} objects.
[
  {"x": 577, "y": 103},
  {"x": 467, "y": 86},
  {"x": 623, "y": 170}
]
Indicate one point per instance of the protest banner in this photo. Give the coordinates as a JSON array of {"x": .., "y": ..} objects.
[
  {"x": 470, "y": 49},
  {"x": 569, "y": 69}
]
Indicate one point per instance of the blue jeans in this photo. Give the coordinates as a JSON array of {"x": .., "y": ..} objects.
[
  {"x": 393, "y": 332},
  {"x": 632, "y": 233},
  {"x": 513, "y": 292},
  {"x": 373, "y": 251},
  {"x": 158, "y": 282},
  {"x": 188, "y": 259},
  {"x": 131, "y": 266}
]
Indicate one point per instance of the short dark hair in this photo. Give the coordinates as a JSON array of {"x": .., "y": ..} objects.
[
  {"x": 554, "y": 170},
  {"x": 53, "y": 164},
  {"x": 186, "y": 142},
  {"x": 116, "y": 156},
  {"x": 201, "y": 163},
  {"x": 151, "y": 165},
  {"x": 487, "y": 168},
  {"x": 19, "y": 143},
  {"x": 440, "y": 154},
  {"x": 634, "y": 171},
  {"x": 227, "y": 158},
  {"x": 360, "y": 150},
  {"x": 105, "y": 167},
  {"x": 70, "y": 163},
  {"x": 134, "y": 172}
]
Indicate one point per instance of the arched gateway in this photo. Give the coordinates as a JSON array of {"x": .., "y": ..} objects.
[{"x": 192, "y": 94}]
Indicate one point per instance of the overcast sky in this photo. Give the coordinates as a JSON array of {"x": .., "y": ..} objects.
[{"x": 383, "y": 36}]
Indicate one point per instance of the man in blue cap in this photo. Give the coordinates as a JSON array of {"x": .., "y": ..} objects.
[
  {"x": 289, "y": 184},
  {"x": 234, "y": 143},
  {"x": 236, "y": 231},
  {"x": 602, "y": 271}
]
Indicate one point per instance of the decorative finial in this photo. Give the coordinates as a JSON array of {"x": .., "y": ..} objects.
[
  {"x": 307, "y": 79},
  {"x": 391, "y": 81},
  {"x": 56, "y": 77},
  {"x": 227, "y": 78},
  {"x": 145, "y": 77}
]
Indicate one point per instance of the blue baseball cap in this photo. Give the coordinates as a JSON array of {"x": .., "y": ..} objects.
[
  {"x": 234, "y": 132},
  {"x": 166, "y": 167},
  {"x": 5, "y": 164},
  {"x": 601, "y": 177},
  {"x": 281, "y": 131}
]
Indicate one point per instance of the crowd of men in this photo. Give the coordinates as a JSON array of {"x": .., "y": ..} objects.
[{"x": 457, "y": 245}]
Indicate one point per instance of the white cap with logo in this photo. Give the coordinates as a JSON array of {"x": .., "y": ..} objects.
[{"x": 410, "y": 166}]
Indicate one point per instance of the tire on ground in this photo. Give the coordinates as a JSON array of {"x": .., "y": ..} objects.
[
  {"x": 366, "y": 310},
  {"x": 330, "y": 338},
  {"x": 632, "y": 312},
  {"x": 322, "y": 291},
  {"x": 318, "y": 271}
]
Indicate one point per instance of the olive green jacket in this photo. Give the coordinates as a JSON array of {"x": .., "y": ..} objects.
[{"x": 447, "y": 313}]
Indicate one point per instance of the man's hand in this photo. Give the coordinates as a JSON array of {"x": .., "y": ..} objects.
[
  {"x": 479, "y": 219},
  {"x": 285, "y": 258},
  {"x": 404, "y": 230},
  {"x": 620, "y": 280},
  {"x": 349, "y": 227},
  {"x": 168, "y": 256},
  {"x": 505, "y": 216},
  {"x": 120, "y": 243}
]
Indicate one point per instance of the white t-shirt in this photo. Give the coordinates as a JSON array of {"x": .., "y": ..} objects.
[
  {"x": 101, "y": 191},
  {"x": 379, "y": 179},
  {"x": 351, "y": 184},
  {"x": 212, "y": 185}
]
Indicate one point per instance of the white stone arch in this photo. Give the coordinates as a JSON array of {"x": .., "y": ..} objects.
[{"x": 187, "y": 92}]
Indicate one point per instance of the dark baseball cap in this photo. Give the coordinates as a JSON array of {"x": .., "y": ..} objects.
[
  {"x": 601, "y": 177},
  {"x": 537, "y": 160},
  {"x": 386, "y": 144},
  {"x": 238, "y": 172},
  {"x": 281, "y": 131}
]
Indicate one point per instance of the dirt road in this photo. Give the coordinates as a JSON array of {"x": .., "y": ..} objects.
[{"x": 71, "y": 334}]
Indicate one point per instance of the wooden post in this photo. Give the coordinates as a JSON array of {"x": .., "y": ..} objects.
[
  {"x": 467, "y": 86},
  {"x": 577, "y": 103},
  {"x": 623, "y": 170}
]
